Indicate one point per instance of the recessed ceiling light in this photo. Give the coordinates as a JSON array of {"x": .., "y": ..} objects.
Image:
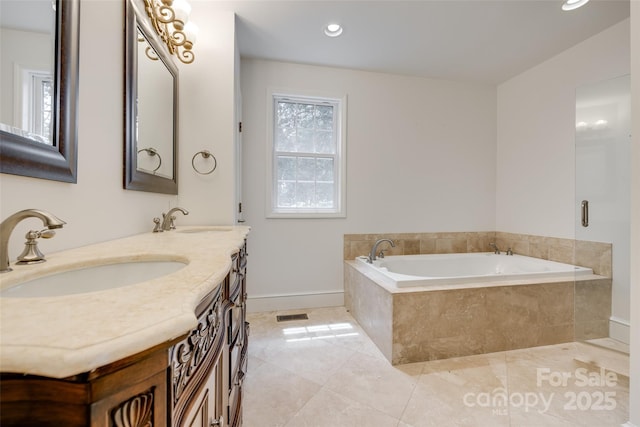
[
  {"x": 573, "y": 4},
  {"x": 333, "y": 30}
]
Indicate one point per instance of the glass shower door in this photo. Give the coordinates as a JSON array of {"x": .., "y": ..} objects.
[{"x": 603, "y": 187}]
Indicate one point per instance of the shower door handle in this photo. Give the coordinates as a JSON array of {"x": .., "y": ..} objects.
[{"x": 585, "y": 213}]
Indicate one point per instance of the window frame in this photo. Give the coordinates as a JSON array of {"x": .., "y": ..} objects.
[
  {"x": 36, "y": 108},
  {"x": 30, "y": 112},
  {"x": 340, "y": 103}
]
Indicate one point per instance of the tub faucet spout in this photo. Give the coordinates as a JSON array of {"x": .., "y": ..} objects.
[
  {"x": 496, "y": 250},
  {"x": 372, "y": 254},
  {"x": 49, "y": 220}
]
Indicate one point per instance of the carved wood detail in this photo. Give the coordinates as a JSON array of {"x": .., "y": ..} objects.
[
  {"x": 188, "y": 354},
  {"x": 135, "y": 412}
]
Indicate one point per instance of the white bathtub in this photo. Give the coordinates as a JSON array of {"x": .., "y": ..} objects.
[{"x": 441, "y": 269}]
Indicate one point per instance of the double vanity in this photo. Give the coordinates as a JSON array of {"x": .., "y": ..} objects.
[{"x": 147, "y": 330}]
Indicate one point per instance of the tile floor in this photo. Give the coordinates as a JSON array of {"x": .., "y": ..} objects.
[{"x": 325, "y": 372}]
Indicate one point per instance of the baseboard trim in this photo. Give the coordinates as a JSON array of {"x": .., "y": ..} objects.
[
  {"x": 628, "y": 424},
  {"x": 260, "y": 303},
  {"x": 619, "y": 329}
]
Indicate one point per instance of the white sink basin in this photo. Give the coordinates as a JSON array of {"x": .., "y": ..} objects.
[
  {"x": 92, "y": 279},
  {"x": 214, "y": 229}
]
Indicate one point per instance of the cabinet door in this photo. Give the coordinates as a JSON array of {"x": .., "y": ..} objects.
[
  {"x": 206, "y": 410},
  {"x": 142, "y": 404}
]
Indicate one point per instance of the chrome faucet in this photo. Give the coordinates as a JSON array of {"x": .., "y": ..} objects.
[
  {"x": 167, "y": 220},
  {"x": 372, "y": 254},
  {"x": 49, "y": 220},
  {"x": 496, "y": 250}
]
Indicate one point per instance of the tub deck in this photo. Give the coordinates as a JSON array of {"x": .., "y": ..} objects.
[
  {"x": 415, "y": 324},
  {"x": 462, "y": 268}
]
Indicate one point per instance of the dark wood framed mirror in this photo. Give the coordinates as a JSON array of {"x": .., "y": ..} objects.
[
  {"x": 55, "y": 158},
  {"x": 151, "y": 107}
]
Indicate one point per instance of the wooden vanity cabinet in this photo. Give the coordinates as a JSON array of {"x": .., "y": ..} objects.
[
  {"x": 205, "y": 372},
  {"x": 192, "y": 381},
  {"x": 237, "y": 337},
  {"x": 196, "y": 367},
  {"x": 130, "y": 392}
]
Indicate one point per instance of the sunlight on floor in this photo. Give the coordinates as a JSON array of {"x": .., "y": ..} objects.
[{"x": 311, "y": 332}]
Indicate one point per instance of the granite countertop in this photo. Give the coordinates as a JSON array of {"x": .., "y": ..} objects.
[{"x": 68, "y": 335}]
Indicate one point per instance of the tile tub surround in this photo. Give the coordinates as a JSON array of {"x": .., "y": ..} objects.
[
  {"x": 416, "y": 324},
  {"x": 594, "y": 255},
  {"x": 68, "y": 335}
]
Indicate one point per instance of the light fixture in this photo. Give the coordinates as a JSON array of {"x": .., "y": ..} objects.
[
  {"x": 580, "y": 126},
  {"x": 573, "y": 4},
  {"x": 170, "y": 19},
  {"x": 148, "y": 51},
  {"x": 333, "y": 30},
  {"x": 599, "y": 124}
]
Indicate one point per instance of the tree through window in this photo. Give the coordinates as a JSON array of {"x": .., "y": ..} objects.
[{"x": 307, "y": 155}]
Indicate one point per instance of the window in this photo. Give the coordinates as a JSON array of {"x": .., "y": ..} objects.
[
  {"x": 306, "y": 166},
  {"x": 37, "y": 103},
  {"x": 42, "y": 105}
]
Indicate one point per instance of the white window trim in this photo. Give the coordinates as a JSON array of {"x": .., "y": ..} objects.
[
  {"x": 341, "y": 131},
  {"x": 28, "y": 99},
  {"x": 36, "y": 124}
]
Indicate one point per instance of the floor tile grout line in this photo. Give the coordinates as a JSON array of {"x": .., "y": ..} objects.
[
  {"x": 415, "y": 386},
  {"x": 303, "y": 406},
  {"x": 323, "y": 387},
  {"x": 513, "y": 370}
]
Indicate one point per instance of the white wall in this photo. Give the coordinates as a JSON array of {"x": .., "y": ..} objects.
[
  {"x": 207, "y": 119},
  {"x": 536, "y": 126},
  {"x": 97, "y": 208},
  {"x": 29, "y": 50},
  {"x": 420, "y": 158},
  {"x": 536, "y": 185},
  {"x": 634, "y": 387}
]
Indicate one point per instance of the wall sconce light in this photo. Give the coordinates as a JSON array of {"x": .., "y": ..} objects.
[{"x": 170, "y": 18}]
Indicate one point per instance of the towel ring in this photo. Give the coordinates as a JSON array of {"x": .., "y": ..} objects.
[
  {"x": 205, "y": 154},
  {"x": 152, "y": 152}
]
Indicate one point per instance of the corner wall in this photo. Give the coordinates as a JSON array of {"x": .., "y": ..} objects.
[
  {"x": 536, "y": 126},
  {"x": 207, "y": 120},
  {"x": 535, "y": 191},
  {"x": 420, "y": 157}
]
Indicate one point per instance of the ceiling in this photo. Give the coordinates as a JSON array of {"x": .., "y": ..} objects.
[
  {"x": 485, "y": 41},
  {"x": 31, "y": 15}
]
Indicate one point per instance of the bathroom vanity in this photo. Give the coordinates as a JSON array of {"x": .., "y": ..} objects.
[{"x": 170, "y": 351}]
